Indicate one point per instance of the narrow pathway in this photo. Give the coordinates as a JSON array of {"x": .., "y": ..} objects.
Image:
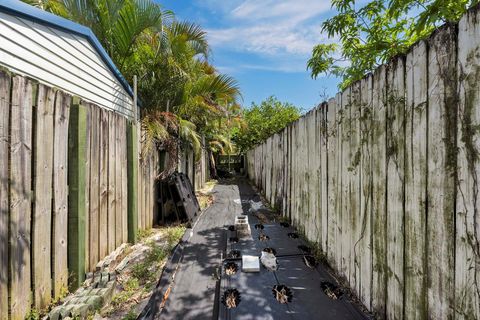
[{"x": 192, "y": 293}]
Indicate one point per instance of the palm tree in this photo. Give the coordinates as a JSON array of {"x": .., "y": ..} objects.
[{"x": 183, "y": 95}]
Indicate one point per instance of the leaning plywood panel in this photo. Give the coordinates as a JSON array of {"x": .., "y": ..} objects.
[
  {"x": 379, "y": 204},
  {"x": 42, "y": 208},
  {"x": 364, "y": 243},
  {"x": 395, "y": 191},
  {"x": 20, "y": 196},
  {"x": 5, "y": 86},
  {"x": 467, "y": 252},
  {"x": 60, "y": 194},
  {"x": 415, "y": 182}
]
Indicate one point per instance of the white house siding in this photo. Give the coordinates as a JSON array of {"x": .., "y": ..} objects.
[{"x": 60, "y": 59}]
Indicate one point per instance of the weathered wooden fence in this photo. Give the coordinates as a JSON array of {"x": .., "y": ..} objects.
[
  {"x": 66, "y": 200},
  {"x": 384, "y": 178}
]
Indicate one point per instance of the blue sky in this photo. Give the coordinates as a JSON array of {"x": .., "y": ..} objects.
[{"x": 264, "y": 44}]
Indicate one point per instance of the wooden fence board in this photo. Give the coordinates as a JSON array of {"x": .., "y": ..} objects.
[
  {"x": 415, "y": 182},
  {"x": 88, "y": 149},
  {"x": 395, "y": 191},
  {"x": 324, "y": 174},
  {"x": 355, "y": 180},
  {"x": 111, "y": 205},
  {"x": 118, "y": 181},
  {"x": 332, "y": 180},
  {"x": 60, "y": 194},
  {"x": 441, "y": 151},
  {"x": 132, "y": 173},
  {"x": 20, "y": 196},
  {"x": 5, "y": 87},
  {"x": 42, "y": 208},
  {"x": 76, "y": 193},
  {"x": 103, "y": 214},
  {"x": 123, "y": 149},
  {"x": 467, "y": 255},
  {"x": 94, "y": 212},
  {"x": 379, "y": 192},
  {"x": 346, "y": 211},
  {"x": 364, "y": 244}
]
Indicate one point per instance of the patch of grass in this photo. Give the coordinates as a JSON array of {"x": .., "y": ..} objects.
[
  {"x": 129, "y": 287},
  {"x": 34, "y": 314},
  {"x": 143, "y": 234},
  {"x": 174, "y": 234},
  {"x": 131, "y": 315}
]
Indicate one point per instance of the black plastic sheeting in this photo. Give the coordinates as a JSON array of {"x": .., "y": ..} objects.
[
  {"x": 257, "y": 298},
  {"x": 195, "y": 291}
]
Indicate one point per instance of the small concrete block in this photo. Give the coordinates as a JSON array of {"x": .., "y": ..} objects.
[
  {"x": 80, "y": 310},
  {"x": 95, "y": 302},
  {"x": 56, "y": 313},
  {"x": 250, "y": 264}
]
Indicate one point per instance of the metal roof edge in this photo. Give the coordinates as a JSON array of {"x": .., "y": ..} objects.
[{"x": 18, "y": 8}]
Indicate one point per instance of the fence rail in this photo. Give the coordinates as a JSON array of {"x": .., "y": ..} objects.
[{"x": 384, "y": 179}]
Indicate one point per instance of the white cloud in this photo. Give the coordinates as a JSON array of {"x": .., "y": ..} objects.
[{"x": 275, "y": 30}]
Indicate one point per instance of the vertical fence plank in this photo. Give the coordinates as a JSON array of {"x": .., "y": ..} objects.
[
  {"x": 132, "y": 156},
  {"x": 118, "y": 181},
  {"x": 467, "y": 256},
  {"x": 103, "y": 221},
  {"x": 20, "y": 196},
  {"x": 88, "y": 149},
  {"x": 346, "y": 210},
  {"x": 379, "y": 191},
  {"x": 364, "y": 244},
  {"x": 124, "y": 153},
  {"x": 42, "y": 208},
  {"x": 111, "y": 206},
  {"x": 332, "y": 179},
  {"x": 324, "y": 174},
  {"x": 60, "y": 194},
  {"x": 94, "y": 214},
  {"x": 441, "y": 151},
  {"x": 76, "y": 194},
  {"x": 5, "y": 86},
  {"x": 415, "y": 182},
  {"x": 395, "y": 191},
  {"x": 354, "y": 170}
]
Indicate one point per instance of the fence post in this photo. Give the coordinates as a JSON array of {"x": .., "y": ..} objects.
[
  {"x": 77, "y": 135},
  {"x": 132, "y": 167}
]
